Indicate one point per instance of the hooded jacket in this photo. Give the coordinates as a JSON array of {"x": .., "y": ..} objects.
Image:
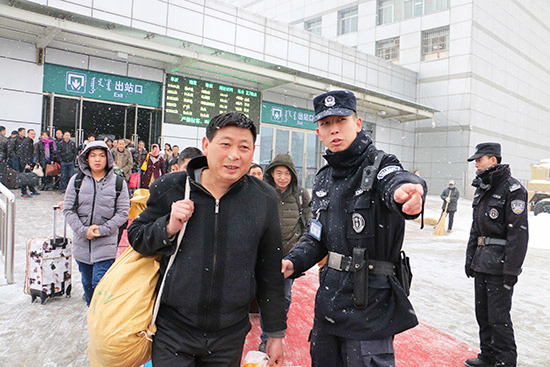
[
  {"x": 294, "y": 211},
  {"x": 352, "y": 217},
  {"x": 230, "y": 252},
  {"x": 96, "y": 206}
]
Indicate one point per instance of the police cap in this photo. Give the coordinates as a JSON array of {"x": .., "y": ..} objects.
[
  {"x": 484, "y": 149},
  {"x": 334, "y": 103}
]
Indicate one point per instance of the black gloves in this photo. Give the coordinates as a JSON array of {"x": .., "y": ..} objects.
[
  {"x": 509, "y": 280},
  {"x": 469, "y": 272}
]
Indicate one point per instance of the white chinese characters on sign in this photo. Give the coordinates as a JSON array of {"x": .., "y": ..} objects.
[{"x": 77, "y": 83}]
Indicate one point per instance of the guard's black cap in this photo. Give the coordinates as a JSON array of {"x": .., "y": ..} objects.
[
  {"x": 484, "y": 149},
  {"x": 334, "y": 103}
]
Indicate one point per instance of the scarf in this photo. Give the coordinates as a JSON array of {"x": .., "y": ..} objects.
[
  {"x": 46, "y": 148},
  {"x": 346, "y": 162}
]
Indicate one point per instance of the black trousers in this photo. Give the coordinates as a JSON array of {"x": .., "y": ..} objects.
[
  {"x": 496, "y": 334},
  {"x": 175, "y": 345},
  {"x": 334, "y": 351}
]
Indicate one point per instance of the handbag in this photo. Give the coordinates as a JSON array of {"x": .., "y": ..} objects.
[
  {"x": 134, "y": 180},
  {"x": 124, "y": 308},
  {"x": 53, "y": 169},
  {"x": 26, "y": 179},
  {"x": 37, "y": 170}
]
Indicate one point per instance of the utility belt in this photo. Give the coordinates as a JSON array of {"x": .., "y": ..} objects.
[
  {"x": 361, "y": 266},
  {"x": 488, "y": 241}
]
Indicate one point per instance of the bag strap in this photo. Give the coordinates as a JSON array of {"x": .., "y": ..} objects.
[
  {"x": 77, "y": 184},
  {"x": 170, "y": 262}
]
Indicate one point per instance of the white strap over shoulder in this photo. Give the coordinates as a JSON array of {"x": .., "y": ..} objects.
[{"x": 172, "y": 258}]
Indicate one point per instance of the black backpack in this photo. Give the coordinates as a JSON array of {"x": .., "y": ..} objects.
[{"x": 78, "y": 183}]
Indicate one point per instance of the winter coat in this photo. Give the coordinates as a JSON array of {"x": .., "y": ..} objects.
[
  {"x": 294, "y": 211},
  {"x": 352, "y": 217},
  {"x": 3, "y": 148},
  {"x": 11, "y": 147},
  {"x": 499, "y": 211},
  {"x": 26, "y": 152},
  {"x": 97, "y": 204},
  {"x": 138, "y": 158},
  {"x": 453, "y": 203},
  {"x": 231, "y": 251},
  {"x": 154, "y": 170},
  {"x": 41, "y": 152},
  {"x": 66, "y": 151},
  {"x": 124, "y": 161}
]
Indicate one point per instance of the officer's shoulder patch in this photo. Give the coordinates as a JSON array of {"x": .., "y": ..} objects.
[
  {"x": 518, "y": 206},
  {"x": 386, "y": 171}
]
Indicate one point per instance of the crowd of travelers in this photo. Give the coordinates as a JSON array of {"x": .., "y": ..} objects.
[{"x": 51, "y": 162}]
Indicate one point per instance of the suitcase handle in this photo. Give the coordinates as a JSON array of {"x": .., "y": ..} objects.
[{"x": 61, "y": 242}]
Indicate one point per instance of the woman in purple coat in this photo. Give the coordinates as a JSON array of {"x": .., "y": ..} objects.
[{"x": 152, "y": 168}]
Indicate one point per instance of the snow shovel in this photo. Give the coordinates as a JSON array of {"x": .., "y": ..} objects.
[{"x": 440, "y": 228}]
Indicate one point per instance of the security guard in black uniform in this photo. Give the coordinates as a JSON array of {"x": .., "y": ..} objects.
[
  {"x": 496, "y": 250},
  {"x": 360, "y": 201}
]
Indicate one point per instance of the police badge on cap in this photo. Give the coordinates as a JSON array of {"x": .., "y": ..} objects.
[{"x": 334, "y": 103}]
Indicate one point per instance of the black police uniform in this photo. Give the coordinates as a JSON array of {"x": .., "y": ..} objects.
[
  {"x": 495, "y": 254},
  {"x": 345, "y": 333}
]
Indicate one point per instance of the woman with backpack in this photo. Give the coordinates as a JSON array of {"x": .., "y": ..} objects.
[{"x": 96, "y": 204}]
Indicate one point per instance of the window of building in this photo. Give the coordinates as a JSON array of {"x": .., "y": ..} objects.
[
  {"x": 347, "y": 20},
  {"x": 314, "y": 25},
  {"x": 435, "y": 43},
  {"x": 389, "y": 11},
  {"x": 388, "y": 49}
]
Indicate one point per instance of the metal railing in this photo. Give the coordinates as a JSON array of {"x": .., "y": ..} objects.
[{"x": 7, "y": 231}]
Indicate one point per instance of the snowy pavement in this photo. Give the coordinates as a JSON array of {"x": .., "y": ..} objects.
[{"x": 55, "y": 334}]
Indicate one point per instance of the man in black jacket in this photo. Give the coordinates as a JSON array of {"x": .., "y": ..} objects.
[
  {"x": 495, "y": 254},
  {"x": 359, "y": 205},
  {"x": 231, "y": 250},
  {"x": 66, "y": 153}
]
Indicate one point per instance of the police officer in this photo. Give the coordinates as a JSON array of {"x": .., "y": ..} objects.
[
  {"x": 496, "y": 250},
  {"x": 360, "y": 201}
]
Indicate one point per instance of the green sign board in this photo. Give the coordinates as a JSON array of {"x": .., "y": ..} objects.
[
  {"x": 191, "y": 101},
  {"x": 106, "y": 87},
  {"x": 287, "y": 116}
]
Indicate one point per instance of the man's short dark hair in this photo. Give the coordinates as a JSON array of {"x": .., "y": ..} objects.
[
  {"x": 189, "y": 152},
  {"x": 255, "y": 165},
  {"x": 20, "y": 129},
  {"x": 230, "y": 119},
  {"x": 499, "y": 158},
  {"x": 28, "y": 131},
  {"x": 2, "y": 128},
  {"x": 91, "y": 136}
]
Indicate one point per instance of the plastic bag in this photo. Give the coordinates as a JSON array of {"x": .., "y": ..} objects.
[
  {"x": 121, "y": 311},
  {"x": 255, "y": 359},
  {"x": 134, "y": 180}
]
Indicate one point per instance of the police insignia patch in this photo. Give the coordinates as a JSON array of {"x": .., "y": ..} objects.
[
  {"x": 358, "y": 222},
  {"x": 321, "y": 193},
  {"x": 493, "y": 213},
  {"x": 330, "y": 101},
  {"x": 518, "y": 206}
]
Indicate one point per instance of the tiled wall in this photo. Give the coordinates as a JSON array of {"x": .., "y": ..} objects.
[{"x": 227, "y": 28}]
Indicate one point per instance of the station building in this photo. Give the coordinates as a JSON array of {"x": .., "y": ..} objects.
[
  {"x": 159, "y": 70},
  {"x": 483, "y": 63}
]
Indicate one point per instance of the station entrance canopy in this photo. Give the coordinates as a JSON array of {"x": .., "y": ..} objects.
[{"x": 48, "y": 27}]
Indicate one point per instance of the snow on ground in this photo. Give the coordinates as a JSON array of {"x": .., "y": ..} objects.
[{"x": 55, "y": 334}]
